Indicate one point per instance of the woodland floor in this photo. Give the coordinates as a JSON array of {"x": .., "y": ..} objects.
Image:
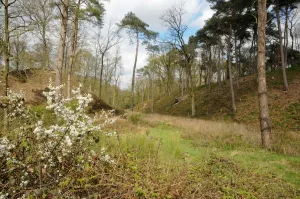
[{"x": 227, "y": 158}]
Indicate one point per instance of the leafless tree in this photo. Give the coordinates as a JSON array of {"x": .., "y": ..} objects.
[
  {"x": 41, "y": 13},
  {"x": 12, "y": 12},
  {"x": 173, "y": 20},
  {"x": 105, "y": 43}
]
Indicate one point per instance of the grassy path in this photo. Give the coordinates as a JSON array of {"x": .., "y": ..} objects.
[{"x": 176, "y": 145}]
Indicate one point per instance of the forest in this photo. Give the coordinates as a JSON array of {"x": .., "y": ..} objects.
[{"x": 212, "y": 112}]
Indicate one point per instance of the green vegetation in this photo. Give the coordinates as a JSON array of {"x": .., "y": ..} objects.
[
  {"x": 240, "y": 72},
  {"x": 164, "y": 163},
  {"x": 212, "y": 104},
  {"x": 253, "y": 158}
]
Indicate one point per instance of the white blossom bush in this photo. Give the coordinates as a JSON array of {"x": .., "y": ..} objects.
[
  {"x": 14, "y": 103},
  {"x": 44, "y": 157}
]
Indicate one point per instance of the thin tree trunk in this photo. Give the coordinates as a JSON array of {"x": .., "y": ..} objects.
[
  {"x": 134, "y": 68},
  {"x": 286, "y": 34},
  {"x": 193, "y": 104},
  {"x": 182, "y": 88},
  {"x": 219, "y": 68},
  {"x": 240, "y": 64},
  {"x": 114, "y": 97},
  {"x": 6, "y": 62},
  {"x": 101, "y": 75},
  {"x": 200, "y": 77},
  {"x": 283, "y": 62},
  {"x": 192, "y": 93},
  {"x": 262, "y": 84},
  {"x": 62, "y": 45},
  {"x": 66, "y": 55},
  {"x": 152, "y": 96},
  {"x": 209, "y": 69},
  {"x": 45, "y": 49},
  {"x": 149, "y": 90},
  {"x": 95, "y": 76},
  {"x": 230, "y": 74},
  {"x": 236, "y": 62},
  {"x": 251, "y": 56},
  {"x": 74, "y": 47},
  {"x": 292, "y": 37}
]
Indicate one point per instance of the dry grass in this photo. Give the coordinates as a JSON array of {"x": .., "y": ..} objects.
[
  {"x": 210, "y": 130},
  {"x": 123, "y": 126},
  {"x": 227, "y": 134}
]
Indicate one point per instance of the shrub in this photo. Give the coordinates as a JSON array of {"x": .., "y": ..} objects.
[
  {"x": 47, "y": 159},
  {"x": 135, "y": 118}
]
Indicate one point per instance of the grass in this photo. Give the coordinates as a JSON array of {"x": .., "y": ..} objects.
[
  {"x": 282, "y": 166},
  {"x": 198, "y": 138},
  {"x": 171, "y": 157},
  {"x": 173, "y": 146}
]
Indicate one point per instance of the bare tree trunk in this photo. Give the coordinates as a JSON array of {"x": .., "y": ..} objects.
[
  {"x": 192, "y": 93},
  {"x": 219, "y": 68},
  {"x": 209, "y": 69},
  {"x": 182, "y": 88},
  {"x": 200, "y": 77},
  {"x": 6, "y": 61},
  {"x": 262, "y": 84},
  {"x": 251, "y": 56},
  {"x": 95, "y": 75},
  {"x": 236, "y": 62},
  {"x": 45, "y": 49},
  {"x": 292, "y": 37},
  {"x": 74, "y": 47},
  {"x": 283, "y": 62},
  {"x": 230, "y": 73},
  {"x": 286, "y": 35},
  {"x": 148, "y": 93},
  {"x": 152, "y": 95},
  {"x": 134, "y": 68},
  {"x": 62, "y": 45},
  {"x": 114, "y": 97},
  {"x": 101, "y": 75}
]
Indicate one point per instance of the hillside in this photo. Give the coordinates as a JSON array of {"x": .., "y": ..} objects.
[
  {"x": 34, "y": 81},
  {"x": 216, "y": 105}
]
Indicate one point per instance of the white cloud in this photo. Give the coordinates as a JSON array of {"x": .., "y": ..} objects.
[
  {"x": 205, "y": 15},
  {"x": 150, "y": 12}
]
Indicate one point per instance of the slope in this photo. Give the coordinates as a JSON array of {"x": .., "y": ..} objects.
[
  {"x": 33, "y": 82},
  {"x": 216, "y": 105}
]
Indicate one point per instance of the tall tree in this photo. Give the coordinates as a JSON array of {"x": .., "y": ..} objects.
[
  {"x": 137, "y": 29},
  {"x": 90, "y": 10},
  {"x": 282, "y": 56},
  {"x": 265, "y": 125},
  {"x": 105, "y": 43},
  {"x": 9, "y": 14},
  {"x": 173, "y": 20},
  {"x": 41, "y": 13},
  {"x": 117, "y": 72},
  {"x": 63, "y": 6},
  {"x": 149, "y": 70}
]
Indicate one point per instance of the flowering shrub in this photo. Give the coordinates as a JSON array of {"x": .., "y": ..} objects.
[
  {"x": 14, "y": 103},
  {"x": 40, "y": 159}
]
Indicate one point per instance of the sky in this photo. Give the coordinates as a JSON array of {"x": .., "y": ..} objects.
[{"x": 150, "y": 11}]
